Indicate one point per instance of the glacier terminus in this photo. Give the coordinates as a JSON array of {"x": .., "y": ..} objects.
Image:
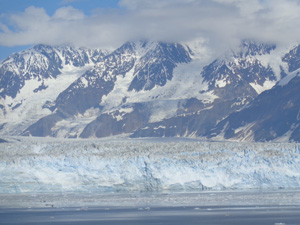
[{"x": 145, "y": 165}]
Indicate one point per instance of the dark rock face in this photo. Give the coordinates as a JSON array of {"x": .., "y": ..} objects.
[
  {"x": 40, "y": 88},
  {"x": 156, "y": 66},
  {"x": 293, "y": 59},
  {"x": 271, "y": 115},
  {"x": 252, "y": 48},
  {"x": 195, "y": 123},
  {"x": 83, "y": 94},
  {"x": 10, "y": 84},
  {"x": 124, "y": 120},
  {"x": 42, "y": 128}
]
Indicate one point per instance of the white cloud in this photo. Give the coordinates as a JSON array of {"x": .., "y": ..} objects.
[
  {"x": 68, "y": 13},
  {"x": 4, "y": 28},
  {"x": 222, "y": 22}
]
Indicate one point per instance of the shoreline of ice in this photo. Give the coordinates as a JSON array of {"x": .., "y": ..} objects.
[{"x": 39, "y": 165}]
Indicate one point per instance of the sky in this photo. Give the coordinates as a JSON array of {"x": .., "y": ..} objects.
[
  {"x": 10, "y": 9},
  {"x": 220, "y": 24}
]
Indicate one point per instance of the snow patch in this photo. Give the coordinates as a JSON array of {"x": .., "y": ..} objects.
[
  {"x": 119, "y": 114},
  {"x": 289, "y": 77},
  {"x": 31, "y": 108},
  {"x": 120, "y": 91},
  {"x": 163, "y": 110},
  {"x": 268, "y": 84},
  {"x": 126, "y": 110},
  {"x": 221, "y": 83},
  {"x": 84, "y": 82}
]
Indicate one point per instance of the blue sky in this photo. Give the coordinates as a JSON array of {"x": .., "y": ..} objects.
[
  {"x": 13, "y": 6},
  {"x": 107, "y": 24},
  {"x": 8, "y": 7}
]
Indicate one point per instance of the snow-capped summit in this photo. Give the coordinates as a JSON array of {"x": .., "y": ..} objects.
[
  {"x": 273, "y": 115},
  {"x": 33, "y": 77},
  {"x": 39, "y": 63},
  {"x": 156, "y": 66},
  {"x": 242, "y": 67}
]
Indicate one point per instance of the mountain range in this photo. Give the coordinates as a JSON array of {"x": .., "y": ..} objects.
[{"x": 152, "y": 89}]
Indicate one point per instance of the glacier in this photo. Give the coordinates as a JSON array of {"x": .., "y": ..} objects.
[{"x": 123, "y": 165}]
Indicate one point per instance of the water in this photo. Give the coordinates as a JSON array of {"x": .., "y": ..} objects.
[
  {"x": 225, "y": 215},
  {"x": 278, "y": 207}
]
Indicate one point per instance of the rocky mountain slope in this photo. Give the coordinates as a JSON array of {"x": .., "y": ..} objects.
[
  {"x": 272, "y": 116},
  {"x": 145, "y": 89},
  {"x": 234, "y": 81}
]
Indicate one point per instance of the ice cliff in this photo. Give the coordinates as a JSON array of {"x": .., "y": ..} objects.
[{"x": 39, "y": 165}]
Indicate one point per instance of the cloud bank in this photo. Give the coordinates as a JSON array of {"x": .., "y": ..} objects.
[{"x": 222, "y": 23}]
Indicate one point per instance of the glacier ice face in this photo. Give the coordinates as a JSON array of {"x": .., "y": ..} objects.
[{"x": 122, "y": 165}]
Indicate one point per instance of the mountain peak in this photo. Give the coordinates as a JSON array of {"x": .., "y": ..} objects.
[
  {"x": 42, "y": 48},
  {"x": 253, "y": 48}
]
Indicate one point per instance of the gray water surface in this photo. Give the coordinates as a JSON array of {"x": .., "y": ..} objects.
[
  {"x": 215, "y": 215},
  {"x": 252, "y": 207}
]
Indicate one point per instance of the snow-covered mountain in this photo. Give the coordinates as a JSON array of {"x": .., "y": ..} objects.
[
  {"x": 32, "y": 79},
  {"x": 142, "y": 89},
  {"x": 273, "y": 115},
  {"x": 40, "y": 63},
  {"x": 234, "y": 80},
  {"x": 111, "y": 90}
]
